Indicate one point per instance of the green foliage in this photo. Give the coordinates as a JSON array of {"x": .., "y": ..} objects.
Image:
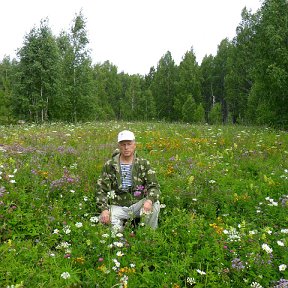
[
  {"x": 189, "y": 110},
  {"x": 223, "y": 221},
  {"x": 54, "y": 79},
  {"x": 37, "y": 74},
  {"x": 270, "y": 69},
  {"x": 163, "y": 87},
  {"x": 215, "y": 115},
  {"x": 200, "y": 114}
]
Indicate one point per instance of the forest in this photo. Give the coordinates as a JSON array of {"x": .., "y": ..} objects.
[{"x": 53, "y": 79}]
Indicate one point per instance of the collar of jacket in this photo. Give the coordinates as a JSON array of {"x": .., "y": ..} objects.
[{"x": 116, "y": 166}]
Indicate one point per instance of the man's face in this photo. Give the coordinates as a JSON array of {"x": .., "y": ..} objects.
[{"x": 127, "y": 148}]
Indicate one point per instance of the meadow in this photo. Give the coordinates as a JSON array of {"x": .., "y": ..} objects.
[{"x": 223, "y": 220}]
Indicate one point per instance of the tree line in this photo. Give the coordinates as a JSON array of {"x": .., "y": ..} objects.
[{"x": 246, "y": 82}]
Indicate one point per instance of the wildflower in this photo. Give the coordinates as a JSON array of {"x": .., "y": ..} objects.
[
  {"x": 65, "y": 275},
  {"x": 63, "y": 245},
  {"x": 282, "y": 283},
  {"x": 137, "y": 193},
  {"x": 80, "y": 260},
  {"x": 78, "y": 224},
  {"x": 256, "y": 285},
  {"x": 266, "y": 248},
  {"x": 72, "y": 191},
  {"x": 119, "y": 235},
  {"x": 94, "y": 219},
  {"x": 237, "y": 264},
  {"x": 105, "y": 235},
  {"x": 124, "y": 281},
  {"x": 12, "y": 181},
  {"x": 282, "y": 267},
  {"x": 280, "y": 243},
  {"x": 100, "y": 259},
  {"x": 104, "y": 269},
  {"x": 2, "y": 191},
  {"x": 16, "y": 286},
  {"x": 272, "y": 202},
  {"x": 67, "y": 229},
  {"x": 233, "y": 234},
  {"x": 126, "y": 270},
  {"x": 85, "y": 198},
  {"x": 56, "y": 231},
  {"x": 201, "y": 272},
  {"x": 119, "y": 254},
  {"x": 191, "y": 281},
  {"x": 285, "y": 231},
  {"x": 117, "y": 264},
  {"x": 118, "y": 244},
  {"x": 212, "y": 181}
]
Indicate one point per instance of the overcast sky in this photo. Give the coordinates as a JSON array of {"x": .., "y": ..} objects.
[{"x": 132, "y": 34}]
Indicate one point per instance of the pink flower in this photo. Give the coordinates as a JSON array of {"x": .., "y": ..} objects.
[
  {"x": 137, "y": 193},
  {"x": 100, "y": 259}
]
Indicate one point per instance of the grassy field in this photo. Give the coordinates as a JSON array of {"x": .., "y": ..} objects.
[{"x": 223, "y": 221}]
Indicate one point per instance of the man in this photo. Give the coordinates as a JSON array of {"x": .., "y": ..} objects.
[{"x": 127, "y": 187}]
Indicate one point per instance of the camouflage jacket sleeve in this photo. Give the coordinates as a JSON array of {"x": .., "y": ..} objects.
[
  {"x": 104, "y": 189},
  {"x": 149, "y": 180}
]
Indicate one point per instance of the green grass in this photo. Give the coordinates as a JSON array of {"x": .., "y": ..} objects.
[{"x": 223, "y": 192}]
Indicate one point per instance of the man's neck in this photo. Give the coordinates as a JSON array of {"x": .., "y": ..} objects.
[{"x": 126, "y": 160}]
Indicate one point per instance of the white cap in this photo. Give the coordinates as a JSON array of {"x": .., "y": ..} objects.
[{"x": 126, "y": 135}]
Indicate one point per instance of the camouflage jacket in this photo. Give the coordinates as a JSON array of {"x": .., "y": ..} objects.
[{"x": 109, "y": 187}]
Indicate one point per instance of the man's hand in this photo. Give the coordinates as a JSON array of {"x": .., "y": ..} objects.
[
  {"x": 147, "y": 206},
  {"x": 105, "y": 217}
]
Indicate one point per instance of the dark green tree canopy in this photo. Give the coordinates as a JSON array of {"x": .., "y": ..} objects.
[{"x": 246, "y": 82}]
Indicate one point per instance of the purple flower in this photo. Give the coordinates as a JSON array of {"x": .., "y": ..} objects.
[
  {"x": 137, "y": 193},
  {"x": 282, "y": 283},
  {"x": 2, "y": 191},
  {"x": 237, "y": 264},
  {"x": 70, "y": 179}
]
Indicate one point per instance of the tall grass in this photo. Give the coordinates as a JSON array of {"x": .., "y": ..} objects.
[{"x": 223, "y": 221}]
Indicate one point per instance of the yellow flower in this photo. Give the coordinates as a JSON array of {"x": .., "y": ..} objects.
[
  {"x": 80, "y": 260},
  {"x": 126, "y": 270}
]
